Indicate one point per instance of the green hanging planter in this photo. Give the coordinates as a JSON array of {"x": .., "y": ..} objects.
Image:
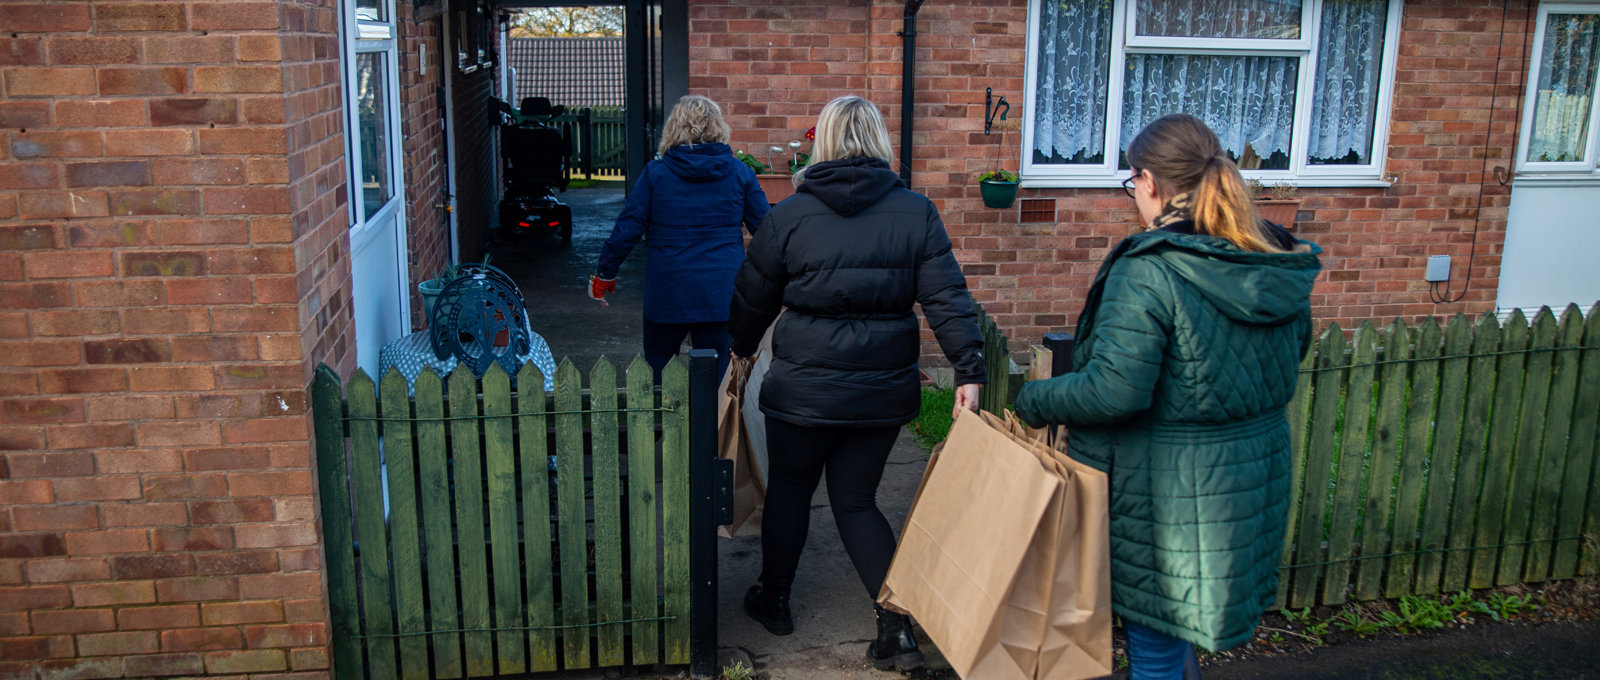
[{"x": 998, "y": 194}]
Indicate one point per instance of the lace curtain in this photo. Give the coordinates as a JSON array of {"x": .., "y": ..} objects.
[
  {"x": 1562, "y": 103},
  {"x": 1344, "y": 103},
  {"x": 1248, "y": 100},
  {"x": 1273, "y": 19},
  {"x": 1074, "y": 57}
]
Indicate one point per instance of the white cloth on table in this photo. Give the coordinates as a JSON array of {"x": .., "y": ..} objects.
[{"x": 414, "y": 352}]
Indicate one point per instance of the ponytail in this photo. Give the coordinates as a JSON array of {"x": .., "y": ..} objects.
[
  {"x": 1223, "y": 207},
  {"x": 1184, "y": 155}
]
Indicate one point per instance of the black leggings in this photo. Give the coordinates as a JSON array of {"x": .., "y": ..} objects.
[{"x": 853, "y": 459}]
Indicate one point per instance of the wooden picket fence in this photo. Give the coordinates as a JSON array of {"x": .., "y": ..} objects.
[
  {"x": 1005, "y": 378},
  {"x": 1431, "y": 460},
  {"x": 480, "y": 530}
]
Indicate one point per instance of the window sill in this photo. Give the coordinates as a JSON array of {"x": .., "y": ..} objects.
[
  {"x": 1037, "y": 182},
  {"x": 1572, "y": 180}
]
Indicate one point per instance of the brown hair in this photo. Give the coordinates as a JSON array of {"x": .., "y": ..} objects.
[{"x": 1182, "y": 154}]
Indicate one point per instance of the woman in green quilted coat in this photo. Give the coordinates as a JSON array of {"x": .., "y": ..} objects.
[{"x": 1188, "y": 347}]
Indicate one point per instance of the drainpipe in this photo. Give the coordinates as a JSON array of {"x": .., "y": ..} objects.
[{"x": 908, "y": 86}]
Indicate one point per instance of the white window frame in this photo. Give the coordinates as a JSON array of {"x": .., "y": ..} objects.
[
  {"x": 370, "y": 37},
  {"x": 1300, "y": 172},
  {"x": 1586, "y": 171}
]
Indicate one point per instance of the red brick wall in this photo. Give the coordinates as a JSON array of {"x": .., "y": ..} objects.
[
  {"x": 422, "y": 127},
  {"x": 773, "y": 66},
  {"x": 172, "y": 265},
  {"x": 474, "y": 154}
]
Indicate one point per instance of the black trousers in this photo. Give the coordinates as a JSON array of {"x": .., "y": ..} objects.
[
  {"x": 853, "y": 460},
  {"x": 662, "y": 341}
]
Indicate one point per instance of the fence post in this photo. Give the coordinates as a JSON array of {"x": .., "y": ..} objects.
[
  {"x": 586, "y": 135},
  {"x": 710, "y": 492},
  {"x": 1060, "y": 346}
]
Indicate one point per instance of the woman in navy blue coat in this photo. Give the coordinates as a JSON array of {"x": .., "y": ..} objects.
[{"x": 692, "y": 203}]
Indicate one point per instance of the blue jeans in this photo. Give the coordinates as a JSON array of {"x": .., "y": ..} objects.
[
  {"x": 1157, "y": 656},
  {"x": 662, "y": 340}
]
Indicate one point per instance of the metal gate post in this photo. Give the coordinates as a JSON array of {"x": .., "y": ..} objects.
[
  {"x": 1060, "y": 346},
  {"x": 710, "y": 504}
]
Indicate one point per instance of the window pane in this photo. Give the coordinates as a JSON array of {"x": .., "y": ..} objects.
[
  {"x": 372, "y": 132},
  {"x": 370, "y": 10},
  {"x": 1069, "y": 114},
  {"x": 1344, "y": 102},
  {"x": 1261, "y": 19},
  {"x": 1248, "y": 101},
  {"x": 1562, "y": 102}
]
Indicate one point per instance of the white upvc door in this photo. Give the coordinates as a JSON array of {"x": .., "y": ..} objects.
[
  {"x": 1552, "y": 227},
  {"x": 379, "y": 280}
]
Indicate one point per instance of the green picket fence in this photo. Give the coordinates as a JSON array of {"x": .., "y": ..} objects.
[
  {"x": 525, "y": 531},
  {"x": 1430, "y": 460},
  {"x": 1005, "y": 378}
]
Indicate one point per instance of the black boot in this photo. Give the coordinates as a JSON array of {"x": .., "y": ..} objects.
[
  {"x": 896, "y": 647},
  {"x": 768, "y": 604}
]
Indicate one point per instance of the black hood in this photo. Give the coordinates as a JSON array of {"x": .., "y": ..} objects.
[{"x": 849, "y": 185}]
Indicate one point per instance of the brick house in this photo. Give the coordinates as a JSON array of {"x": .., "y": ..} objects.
[{"x": 202, "y": 200}]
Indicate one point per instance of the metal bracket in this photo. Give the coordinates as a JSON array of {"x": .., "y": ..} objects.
[{"x": 992, "y": 107}]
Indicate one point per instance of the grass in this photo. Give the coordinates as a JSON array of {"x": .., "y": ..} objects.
[{"x": 933, "y": 421}]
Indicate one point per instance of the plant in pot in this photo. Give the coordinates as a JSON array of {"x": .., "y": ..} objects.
[
  {"x": 998, "y": 187},
  {"x": 1276, "y": 203},
  {"x": 430, "y": 289}
]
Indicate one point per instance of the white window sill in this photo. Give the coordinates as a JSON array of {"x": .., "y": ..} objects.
[{"x": 1552, "y": 180}]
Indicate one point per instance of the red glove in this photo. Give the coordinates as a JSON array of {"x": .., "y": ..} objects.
[{"x": 598, "y": 288}]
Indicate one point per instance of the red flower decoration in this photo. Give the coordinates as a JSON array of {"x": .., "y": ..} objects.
[{"x": 812, "y": 133}]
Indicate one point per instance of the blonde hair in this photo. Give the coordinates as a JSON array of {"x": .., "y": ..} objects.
[
  {"x": 1182, "y": 154},
  {"x": 694, "y": 120},
  {"x": 849, "y": 127}
]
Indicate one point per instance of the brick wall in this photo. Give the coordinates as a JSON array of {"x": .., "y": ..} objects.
[
  {"x": 172, "y": 263},
  {"x": 422, "y": 127},
  {"x": 475, "y": 157},
  {"x": 772, "y": 66}
]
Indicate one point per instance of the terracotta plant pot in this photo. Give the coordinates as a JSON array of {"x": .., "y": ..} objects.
[
  {"x": 1280, "y": 211},
  {"x": 776, "y": 187},
  {"x": 998, "y": 194}
]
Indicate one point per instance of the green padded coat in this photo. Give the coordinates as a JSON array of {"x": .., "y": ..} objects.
[{"x": 1188, "y": 350}]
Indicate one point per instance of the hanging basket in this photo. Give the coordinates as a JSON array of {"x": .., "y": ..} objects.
[{"x": 998, "y": 194}]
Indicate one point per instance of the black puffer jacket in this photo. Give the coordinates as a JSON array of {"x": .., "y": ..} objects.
[{"x": 848, "y": 256}]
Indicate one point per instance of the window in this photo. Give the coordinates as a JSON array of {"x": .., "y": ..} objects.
[
  {"x": 1297, "y": 90},
  {"x": 371, "y": 89},
  {"x": 1559, "y": 115}
]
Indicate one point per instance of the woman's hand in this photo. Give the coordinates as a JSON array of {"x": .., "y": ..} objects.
[
  {"x": 966, "y": 399},
  {"x": 598, "y": 288}
]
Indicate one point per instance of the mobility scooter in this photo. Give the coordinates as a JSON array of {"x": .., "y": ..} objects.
[{"x": 534, "y": 156}]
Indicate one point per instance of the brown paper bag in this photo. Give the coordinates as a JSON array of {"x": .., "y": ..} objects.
[
  {"x": 741, "y": 438},
  {"x": 1005, "y": 557}
]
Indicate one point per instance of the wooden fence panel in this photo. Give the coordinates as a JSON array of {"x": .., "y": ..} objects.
[
  {"x": 1581, "y": 458},
  {"x": 1299, "y": 411},
  {"x": 1415, "y": 460},
  {"x": 1526, "y": 457},
  {"x": 1392, "y": 389},
  {"x": 1486, "y": 336},
  {"x": 644, "y": 596},
  {"x": 405, "y": 543},
  {"x": 338, "y": 540},
  {"x": 572, "y": 529},
  {"x": 533, "y": 436},
  {"x": 366, "y": 498},
  {"x": 607, "y": 513},
  {"x": 1553, "y": 449},
  {"x": 433, "y": 464},
  {"x": 500, "y": 468},
  {"x": 1500, "y": 468},
  {"x": 1325, "y": 394},
  {"x": 1442, "y": 454},
  {"x": 466, "y": 457},
  {"x": 1351, "y": 462},
  {"x": 675, "y": 510}
]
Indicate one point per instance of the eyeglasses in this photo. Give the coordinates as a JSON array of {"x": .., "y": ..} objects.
[{"x": 1127, "y": 185}]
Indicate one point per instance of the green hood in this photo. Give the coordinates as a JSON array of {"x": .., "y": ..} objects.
[{"x": 1253, "y": 288}]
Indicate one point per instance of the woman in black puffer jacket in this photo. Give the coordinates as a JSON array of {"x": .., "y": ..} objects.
[{"x": 847, "y": 256}]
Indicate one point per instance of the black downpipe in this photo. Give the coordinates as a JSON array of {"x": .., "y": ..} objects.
[{"x": 908, "y": 86}]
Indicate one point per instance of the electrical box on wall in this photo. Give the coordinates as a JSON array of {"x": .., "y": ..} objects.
[{"x": 1438, "y": 269}]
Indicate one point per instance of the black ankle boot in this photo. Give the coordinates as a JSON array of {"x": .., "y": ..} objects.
[
  {"x": 896, "y": 647},
  {"x": 768, "y": 604}
]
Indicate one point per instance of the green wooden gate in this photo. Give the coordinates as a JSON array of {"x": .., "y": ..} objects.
[{"x": 477, "y": 530}]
